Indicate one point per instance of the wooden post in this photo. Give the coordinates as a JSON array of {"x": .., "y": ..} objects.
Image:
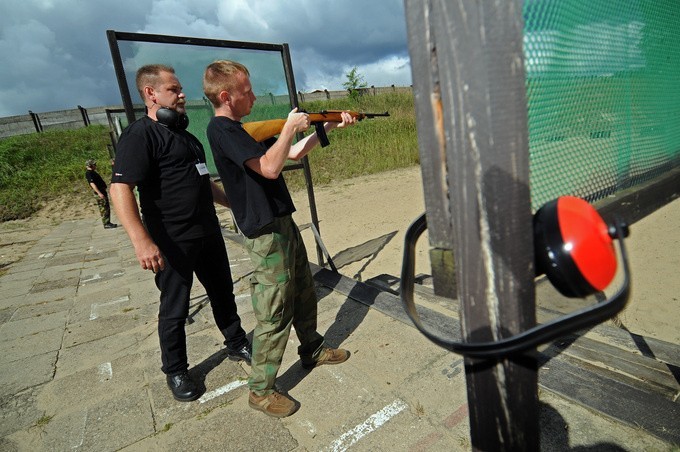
[
  {"x": 83, "y": 113},
  {"x": 468, "y": 79},
  {"x": 36, "y": 121}
]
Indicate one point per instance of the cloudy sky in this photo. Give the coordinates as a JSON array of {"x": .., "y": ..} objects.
[{"x": 55, "y": 54}]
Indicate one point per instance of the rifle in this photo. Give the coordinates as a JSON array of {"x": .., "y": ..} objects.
[{"x": 262, "y": 130}]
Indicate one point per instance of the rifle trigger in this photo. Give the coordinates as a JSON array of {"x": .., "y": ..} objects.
[{"x": 321, "y": 133}]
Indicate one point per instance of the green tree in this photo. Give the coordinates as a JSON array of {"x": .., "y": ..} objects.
[{"x": 355, "y": 82}]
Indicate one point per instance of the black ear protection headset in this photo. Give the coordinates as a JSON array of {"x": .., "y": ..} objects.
[
  {"x": 573, "y": 248},
  {"x": 172, "y": 119}
]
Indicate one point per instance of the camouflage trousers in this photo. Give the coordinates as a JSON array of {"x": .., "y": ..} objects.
[
  {"x": 104, "y": 208},
  {"x": 283, "y": 295}
]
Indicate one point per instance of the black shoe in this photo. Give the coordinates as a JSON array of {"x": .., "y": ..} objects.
[
  {"x": 110, "y": 225},
  {"x": 242, "y": 354},
  {"x": 183, "y": 387}
]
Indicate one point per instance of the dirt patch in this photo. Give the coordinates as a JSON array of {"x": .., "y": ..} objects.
[{"x": 18, "y": 236}]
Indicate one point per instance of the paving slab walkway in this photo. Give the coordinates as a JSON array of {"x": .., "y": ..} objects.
[{"x": 80, "y": 369}]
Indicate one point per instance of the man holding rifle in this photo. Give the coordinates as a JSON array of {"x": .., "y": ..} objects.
[{"x": 282, "y": 288}]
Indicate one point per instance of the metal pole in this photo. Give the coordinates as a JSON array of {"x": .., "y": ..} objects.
[
  {"x": 468, "y": 80},
  {"x": 112, "y": 37},
  {"x": 288, "y": 67}
]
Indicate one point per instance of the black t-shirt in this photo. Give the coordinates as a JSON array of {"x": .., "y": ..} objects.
[
  {"x": 93, "y": 177},
  {"x": 255, "y": 200},
  {"x": 176, "y": 201}
]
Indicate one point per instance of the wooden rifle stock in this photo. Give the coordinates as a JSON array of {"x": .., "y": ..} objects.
[{"x": 263, "y": 130}]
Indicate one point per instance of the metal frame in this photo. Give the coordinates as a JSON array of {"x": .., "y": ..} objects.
[{"x": 115, "y": 36}]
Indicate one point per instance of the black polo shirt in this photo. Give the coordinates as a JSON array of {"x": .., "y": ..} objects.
[
  {"x": 93, "y": 177},
  {"x": 175, "y": 200},
  {"x": 255, "y": 200}
]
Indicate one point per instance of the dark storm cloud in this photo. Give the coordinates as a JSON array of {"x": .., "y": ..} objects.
[{"x": 55, "y": 53}]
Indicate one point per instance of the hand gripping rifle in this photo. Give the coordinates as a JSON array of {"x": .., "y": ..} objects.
[{"x": 262, "y": 130}]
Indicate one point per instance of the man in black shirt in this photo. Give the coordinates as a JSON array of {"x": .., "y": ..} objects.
[
  {"x": 282, "y": 288},
  {"x": 99, "y": 188},
  {"x": 180, "y": 233}
]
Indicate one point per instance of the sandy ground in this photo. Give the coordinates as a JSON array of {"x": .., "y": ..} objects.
[
  {"x": 378, "y": 209},
  {"x": 375, "y": 211}
]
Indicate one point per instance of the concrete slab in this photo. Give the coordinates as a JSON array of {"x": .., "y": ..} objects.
[
  {"x": 91, "y": 354},
  {"x": 91, "y": 386},
  {"x": 18, "y": 411},
  {"x": 98, "y": 328},
  {"x": 26, "y": 276},
  {"x": 55, "y": 294},
  {"x": 42, "y": 309},
  {"x": 18, "y": 329},
  {"x": 92, "y": 428},
  {"x": 6, "y": 314},
  {"x": 42, "y": 285},
  {"x": 27, "y": 373},
  {"x": 13, "y": 291},
  {"x": 229, "y": 427},
  {"x": 37, "y": 343},
  {"x": 11, "y": 303},
  {"x": 31, "y": 261}
]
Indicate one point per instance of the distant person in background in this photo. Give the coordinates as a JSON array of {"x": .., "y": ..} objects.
[
  {"x": 282, "y": 288},
  {"x": 99, "y": 187},
  {"x": 180, "y": 234}
]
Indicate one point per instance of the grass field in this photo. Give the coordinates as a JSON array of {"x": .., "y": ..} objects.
[
  {"x": 37, "y": 168},
  {"x": 40, "y": 167}
]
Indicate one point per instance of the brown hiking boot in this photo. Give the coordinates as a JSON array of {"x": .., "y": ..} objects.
[
  {"x": 328, "y": 356},
  {"x": 274, "y": 404}
]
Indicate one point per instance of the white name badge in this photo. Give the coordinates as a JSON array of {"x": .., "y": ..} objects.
[{"x": 202, "y": 169}]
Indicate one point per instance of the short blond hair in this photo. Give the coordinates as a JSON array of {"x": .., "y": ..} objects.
[
  {"x": 219, "y": 76},
  {"x": 149, "y": 75}
]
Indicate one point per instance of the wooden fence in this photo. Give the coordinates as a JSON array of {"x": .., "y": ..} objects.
[{"x": 53, "y": 120}]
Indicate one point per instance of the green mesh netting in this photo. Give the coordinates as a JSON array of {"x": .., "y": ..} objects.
[{"x": 603, "y": 90}]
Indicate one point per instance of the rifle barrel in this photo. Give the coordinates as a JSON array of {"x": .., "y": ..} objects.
[{"x": 356, "y": 113}]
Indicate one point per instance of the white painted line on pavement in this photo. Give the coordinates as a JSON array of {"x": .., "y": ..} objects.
[
  {"x": 75, "y": 443},
  {"x": 336, "y": 373},
  {"x": 371, "y": 424},
  {"x": 223, "y": 390},
  {"x": 310, "y": 427},
  {"x": 95, "y": 306},
  {"x": 105, "y": 372},
  {"x": 45, "y": 255},
  {"x": 94, "y": 277}
]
